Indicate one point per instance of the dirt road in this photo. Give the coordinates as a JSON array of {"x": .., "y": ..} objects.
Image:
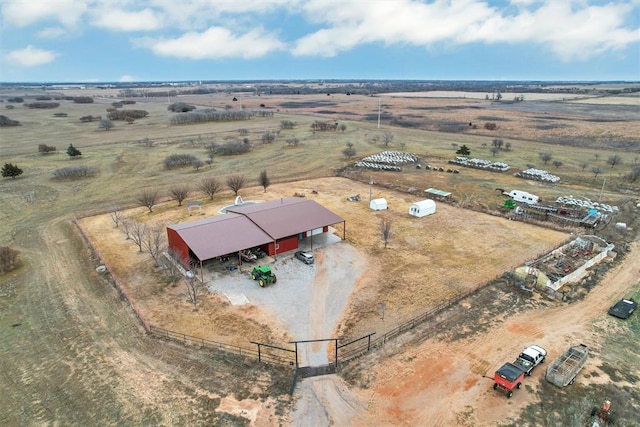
[{"x": 445, "y": 383}]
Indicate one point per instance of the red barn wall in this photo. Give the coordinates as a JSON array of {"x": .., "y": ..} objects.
[
  {"x": 178, "y": 245},
  {"x": 286, "y": 244}
]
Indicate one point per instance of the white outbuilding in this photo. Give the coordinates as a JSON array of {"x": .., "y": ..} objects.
[
  {"x": 378, "y": 204},
  {"x": 422, "y": 208}
]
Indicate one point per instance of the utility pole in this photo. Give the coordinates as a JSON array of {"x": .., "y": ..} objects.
[
  {"x": 370, "y": 187},
  {"x": 602, "y": 189}
]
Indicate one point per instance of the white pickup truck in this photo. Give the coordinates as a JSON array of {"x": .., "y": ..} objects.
[{"x": 531, "y": 357}]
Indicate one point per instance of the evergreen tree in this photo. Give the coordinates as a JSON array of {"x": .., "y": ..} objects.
[
  {"x": 463, "y": 151},
  {"x": 73, "y": 151},
  {"x": 11, "y": 170}
]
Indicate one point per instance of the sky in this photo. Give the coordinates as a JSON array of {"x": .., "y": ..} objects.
[{"x": 190, "y": 40}]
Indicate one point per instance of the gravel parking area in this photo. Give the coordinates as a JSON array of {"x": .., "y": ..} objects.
[{"x": 307, "y": 299}]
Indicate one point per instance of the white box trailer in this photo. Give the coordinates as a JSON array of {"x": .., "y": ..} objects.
[
  {"x": 378, "y": 204},
  {"x": 523, "y": 197}
]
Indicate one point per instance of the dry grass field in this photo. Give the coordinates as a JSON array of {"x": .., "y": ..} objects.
[
  {"x": 427, "y": 262},
  {"x": 70, "y": 346}
]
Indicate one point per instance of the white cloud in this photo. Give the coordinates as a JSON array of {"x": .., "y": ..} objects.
[
  {"x": 570, "y": 29},
  {"x": 215, "y": 43},
  {"x": 21, "y": 13},
  {"x": 127, "y": 78},
  {"x": 30, "y": 57},
  {"x": 198, "y": 14},
  {"x": 52, "y": 33},
  {"x": 121, "y": 20}
]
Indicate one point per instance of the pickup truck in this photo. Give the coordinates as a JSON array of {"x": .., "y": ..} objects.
[{"x": 531, "y": 357}]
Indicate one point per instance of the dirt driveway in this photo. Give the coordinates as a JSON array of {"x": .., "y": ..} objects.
[
  {"x": 443, "y": 382},
  {"x": 308, "y": 300}
]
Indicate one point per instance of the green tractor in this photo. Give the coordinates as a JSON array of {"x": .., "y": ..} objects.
[{"x": 264, "y": 275}]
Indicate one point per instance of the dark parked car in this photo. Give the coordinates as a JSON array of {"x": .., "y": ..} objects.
[
  {"x": 305, "y": 256},
  {"x": 623, "y": 308}
]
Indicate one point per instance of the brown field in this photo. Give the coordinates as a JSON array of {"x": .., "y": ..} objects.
[{"x": 71, "y": 348}]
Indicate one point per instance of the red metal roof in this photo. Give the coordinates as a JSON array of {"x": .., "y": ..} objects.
[
  {"x": 245, "y": 227},
  {"x": 220, "y": 235},
  {"x": 288, "y": 216}
]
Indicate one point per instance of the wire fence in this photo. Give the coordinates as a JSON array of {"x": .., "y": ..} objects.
[
  {"x": 280, "y": 355},
  {"x": 262, "y": 355}
]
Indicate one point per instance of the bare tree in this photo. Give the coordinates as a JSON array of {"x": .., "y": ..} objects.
[
  {"x": 235, "y": 183},
  {"x": 497, "y": 142},
  {"x": 126, "y": 227},
  {"x": 264, "y": 179},
  {"x": 116, "y": 214},
  {"x": 495, "y": 150},
  {"x": 584, "y": 165},
  {"x": 634, "y": 175},
  {"x": 243, "y": 132},
  {"x": 546, "y": 157},
  {"x": 349, "y": 152},
  {"x": 172, "y": 264},
  {"x": 508, "y": 146},
  {"x": 148, "y": 198},
  {"x": 194, "y": 290},
  {"x": 197, "y": 164},
  {"x": 385, "y": 230},
  {"x": 614, "y": 160},
  {"x": 209, "y": 186},
  {"x": 106, "y": 124},
  {"x": 137, "y": 231},
  {"x": 596, "y": 171},
  {"x": 179, "y": 193},
  {"x": 387, "y": 138},
  {"x": 557, "y": 163},
  {"x": 153, "y": 242}
]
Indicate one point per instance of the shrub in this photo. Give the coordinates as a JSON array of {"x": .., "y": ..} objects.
[
  {"x": 74, "y": 172},
  {"x": 8, "y": 258},
  {"x": 43, "y": 98},
  {"x": 490, "y": 126},
  {"x": 16, "y": 100},
  {"x": 60, "y": 114},
  {"x": 86, "y": 119},
  {"x": 6, "y": 121},
  {"x": 117, "y": 104},
  {"x": 181, "y": 107},
  {"x": 43, "y": 105},
  {"x": 114, "y": 114},
  {"x": 179, "y": 160},
  {"x": 233, "y": 147},
  {"x": 9, "y": 107},
  {"x": 127, "y": 102},
  {"x": 45, "y": 149},
  {"x": 83, "y": 100}
]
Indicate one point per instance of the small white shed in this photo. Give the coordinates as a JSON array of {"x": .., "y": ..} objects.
[
  {"x": 378, "y": 204},
  {"x": 422, "y": 208}
]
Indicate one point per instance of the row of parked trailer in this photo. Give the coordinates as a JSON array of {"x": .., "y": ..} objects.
[{"x": 561, "y": 372}]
